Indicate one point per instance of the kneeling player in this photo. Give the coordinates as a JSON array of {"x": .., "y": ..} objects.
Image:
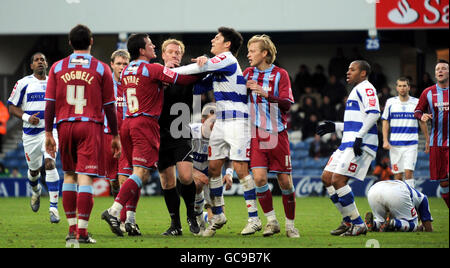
[{"x": 404, "y": 204}]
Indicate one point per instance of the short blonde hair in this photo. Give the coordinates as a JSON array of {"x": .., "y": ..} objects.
[
  {"x": 265, "y": 44},
  {"x": 120, "y": 53},
  {"x": 172, "y": 41}
]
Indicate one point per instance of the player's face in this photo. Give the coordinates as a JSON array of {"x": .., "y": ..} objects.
[
  {"x": 39, "y": 64},
  {"x": 354, "y": 74},
  {"x": 118, "y": 65},
  {"x": 149, "y": 51},
  {"x": 441, "y": 72},
  {"x": 218, "y": 44},
  {"x": 255, "y": 56},
  {"x": 172, "y": 53},
  {"x": 402, "y": 88}
]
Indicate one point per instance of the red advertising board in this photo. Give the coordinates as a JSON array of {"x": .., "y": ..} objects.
[{"x": 412, "y": 14}]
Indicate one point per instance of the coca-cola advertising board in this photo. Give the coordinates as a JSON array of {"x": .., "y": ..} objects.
[{"x": 412, "y": 14}]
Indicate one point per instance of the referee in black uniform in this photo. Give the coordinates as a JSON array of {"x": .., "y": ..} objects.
[{"x": 175, "y": 150}]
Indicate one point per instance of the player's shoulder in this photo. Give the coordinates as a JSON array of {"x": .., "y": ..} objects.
[
  {"x": 248, "y": 70},
  {"x": 278, "y": 69},
  {"x": 413, "y": 100},
  {"x": 428, "y": 89},
  {"x": 26, "y": 79},
  {"x": 392, "y": 100}
]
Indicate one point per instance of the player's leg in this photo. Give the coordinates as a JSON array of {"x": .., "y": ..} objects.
[
  {"x": 69, "y": 202},
  {"x": 33, "y": 156},
  {"x": 240, "y": 141},
  {"x": 265, "y": 200},
  {"x": 111, "y": 165},
  {"x": 398, "y": 176},
  {"x": 351, "y": 166},
  {"x": 248, "y": 184},
  {"x": 347, "y": 201},
  {"x": 52, "y": 181},
  {"x": 188, "y": 191},
  {"x": 444, "y": 190},
  {"x": 216, "y": 193},
  {"x": 326, "y": 177},
  {"x": 444, "y": 152},
  {"x": 289, "y": 203},
  {"x": 200, "y": 180},
  {"x": 124, "y": 171},
  {"x": 439, "y": 169},
  {"x": 168, "y": 181},
  {"x": 409, "y": 159},
  {"x": 85, "y": 203},
  {"x": 409, "y": 177},
  {"x": 375, "y": 219},
  {"x": 129, "y": 194}
]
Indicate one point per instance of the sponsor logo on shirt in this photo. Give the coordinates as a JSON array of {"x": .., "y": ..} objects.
[
  {"x": 169, "y": 72},
  {"x": 218, "y": 59},
  {"x": 372, "y": 99},
  {"x": 352, "y": 167},
  {"x": 79, "y": 61}
]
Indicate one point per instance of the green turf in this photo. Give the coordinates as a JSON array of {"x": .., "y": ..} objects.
[{"x": 315, "y": 217}]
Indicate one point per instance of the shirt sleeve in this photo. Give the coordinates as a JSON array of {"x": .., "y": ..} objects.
[
  {"x": 164, "y": 74},
  {"x": 17, "y": 94},
  {"x": 387, "y": 109},
  {"x": 284, "y": 87},
  {"x": 50, "y": 91},
  {"x": 422, "y": 105},
  {"x": 217, "y": 64},
  {"x": 369, "y": 99},
  {"x": 108, "y": 86}
]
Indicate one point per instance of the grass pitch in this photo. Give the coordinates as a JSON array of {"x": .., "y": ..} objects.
[{"x": 315, "y": 217}]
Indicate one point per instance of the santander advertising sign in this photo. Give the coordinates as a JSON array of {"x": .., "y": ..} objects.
[{"x": 412, "y": 14}]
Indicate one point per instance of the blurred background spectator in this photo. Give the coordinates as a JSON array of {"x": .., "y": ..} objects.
[{"x": 15, "y": 173}]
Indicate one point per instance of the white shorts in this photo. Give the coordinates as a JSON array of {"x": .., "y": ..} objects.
[
  {"x": 230, "y": 139},
  {"x": 345, "y": 163},
  {"x": 403, "y": 157},
  {"x": 393, "y": 197},
  {"x": 34, "y": 148}
]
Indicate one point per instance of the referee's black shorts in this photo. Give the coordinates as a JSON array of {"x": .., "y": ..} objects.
[{"x": 172, "y": 151}]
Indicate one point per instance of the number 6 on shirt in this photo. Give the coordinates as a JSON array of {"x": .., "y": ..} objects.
[{"x": 132, "y": 100}]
